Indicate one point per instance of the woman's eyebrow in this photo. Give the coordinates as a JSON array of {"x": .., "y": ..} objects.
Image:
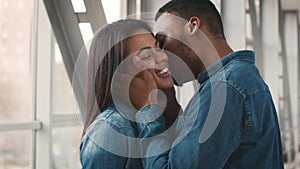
[{"x": 144, "y": 48}]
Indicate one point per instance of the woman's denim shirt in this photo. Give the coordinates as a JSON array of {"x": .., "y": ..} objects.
[
  {"x": 107, "y": 145},
  {"x": 230, "y": 123}
]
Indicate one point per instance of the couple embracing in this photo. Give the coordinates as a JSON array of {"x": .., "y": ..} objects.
[{"x": 133, "y": 119}]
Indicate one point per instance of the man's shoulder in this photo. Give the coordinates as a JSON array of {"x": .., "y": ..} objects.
[
  {"x": 239, "y": 75},
  {"x": 245, "y": 77}
]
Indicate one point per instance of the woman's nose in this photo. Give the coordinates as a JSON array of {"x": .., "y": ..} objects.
[{"x": 161, "y": 57}]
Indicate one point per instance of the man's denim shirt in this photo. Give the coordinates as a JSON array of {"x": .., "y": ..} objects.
[
  {"x": 107, "y": 145},
  {"x": 230, "y": 123}
]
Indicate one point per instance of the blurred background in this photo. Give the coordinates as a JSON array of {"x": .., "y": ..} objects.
[{"x": 40, "y": 40}]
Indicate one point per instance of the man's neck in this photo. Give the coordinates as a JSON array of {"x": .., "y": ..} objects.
[{"x": 222, "y": 47}]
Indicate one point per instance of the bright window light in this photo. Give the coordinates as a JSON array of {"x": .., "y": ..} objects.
[
  {"x": 86, "y": 32},
  {"x": 112, "y": 10},
  {"x": 78, "y": 6}
]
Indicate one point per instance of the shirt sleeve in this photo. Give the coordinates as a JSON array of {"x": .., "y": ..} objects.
[
  {"x": 94, "y": 148},
  {"x": 154, "y": 139},
  {"x": 211, "y": 130}
]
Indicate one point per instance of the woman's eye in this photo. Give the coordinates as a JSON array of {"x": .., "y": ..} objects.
[{"x": 145, "y": 57}]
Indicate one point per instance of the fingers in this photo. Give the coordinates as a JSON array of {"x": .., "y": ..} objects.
[{"x": 147, "y": 76}]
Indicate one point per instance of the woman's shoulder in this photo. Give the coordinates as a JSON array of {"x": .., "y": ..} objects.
[
  {"x": 108, "y": 133},
  {"x": 115, "y": 117},
  {"x": 109, "y": 119}
]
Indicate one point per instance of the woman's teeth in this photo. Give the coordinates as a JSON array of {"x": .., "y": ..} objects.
[
  {"x": 165, "y": 70},
  {"x": 164, "y": 73}
]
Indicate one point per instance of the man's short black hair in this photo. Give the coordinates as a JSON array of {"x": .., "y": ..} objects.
[{"x": 203, "y": 9}]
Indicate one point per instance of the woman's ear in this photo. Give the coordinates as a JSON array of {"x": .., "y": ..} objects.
[{"x": 194, "y": 25}]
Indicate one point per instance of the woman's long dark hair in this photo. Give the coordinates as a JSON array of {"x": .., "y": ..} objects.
[{"x": 107, "y": 51}]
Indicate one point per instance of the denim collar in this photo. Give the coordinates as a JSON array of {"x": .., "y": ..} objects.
[{"x": 245, "y": 55}]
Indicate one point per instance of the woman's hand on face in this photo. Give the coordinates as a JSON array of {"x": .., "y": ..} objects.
[
  {"x": 137, "y": 91},
  {"x": 142, "y": 89}
]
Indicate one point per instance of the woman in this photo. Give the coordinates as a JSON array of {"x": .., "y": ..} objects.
[{"x": 108, "y": 135}]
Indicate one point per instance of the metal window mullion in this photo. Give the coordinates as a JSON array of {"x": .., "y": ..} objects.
[
  {"x": 82, "y": 17},
  {"x": 20, "y": 126},
  {"x": 131, "y": 7},
  {"x": 65, "y": 26},
  {"x": 33, "y": 55},
  {"x": 152, "y": 6},
  {"x": 234, "y": 23},
  {"x": 43, "y": 89},
  {"x": 256, "y": 32},
  {"x": 270, "y": 46},
  {"x": 65, "y": 120},
  {"x": 95, "y": 8},
  {"x": 298, "y": 61},
  {"x": 291, "y": 54}
]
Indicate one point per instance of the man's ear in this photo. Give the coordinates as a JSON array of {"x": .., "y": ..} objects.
[{"x": 194, "y": 25}]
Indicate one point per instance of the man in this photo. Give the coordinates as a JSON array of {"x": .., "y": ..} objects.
[{"x": 231, "y": 122}]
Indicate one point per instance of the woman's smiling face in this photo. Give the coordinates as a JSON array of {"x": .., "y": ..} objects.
[{"x": 144, "y": 52}]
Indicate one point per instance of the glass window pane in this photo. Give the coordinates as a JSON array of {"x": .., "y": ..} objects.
[
  {"x": 15, "y": 150},
  {"x": 66, "y": 147},
  {"x": 15, "y": 66},
  {"x": 62, "y": 95},
  {"x": 113, "y": 10},
  {"x": 86, "y": 32}
]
